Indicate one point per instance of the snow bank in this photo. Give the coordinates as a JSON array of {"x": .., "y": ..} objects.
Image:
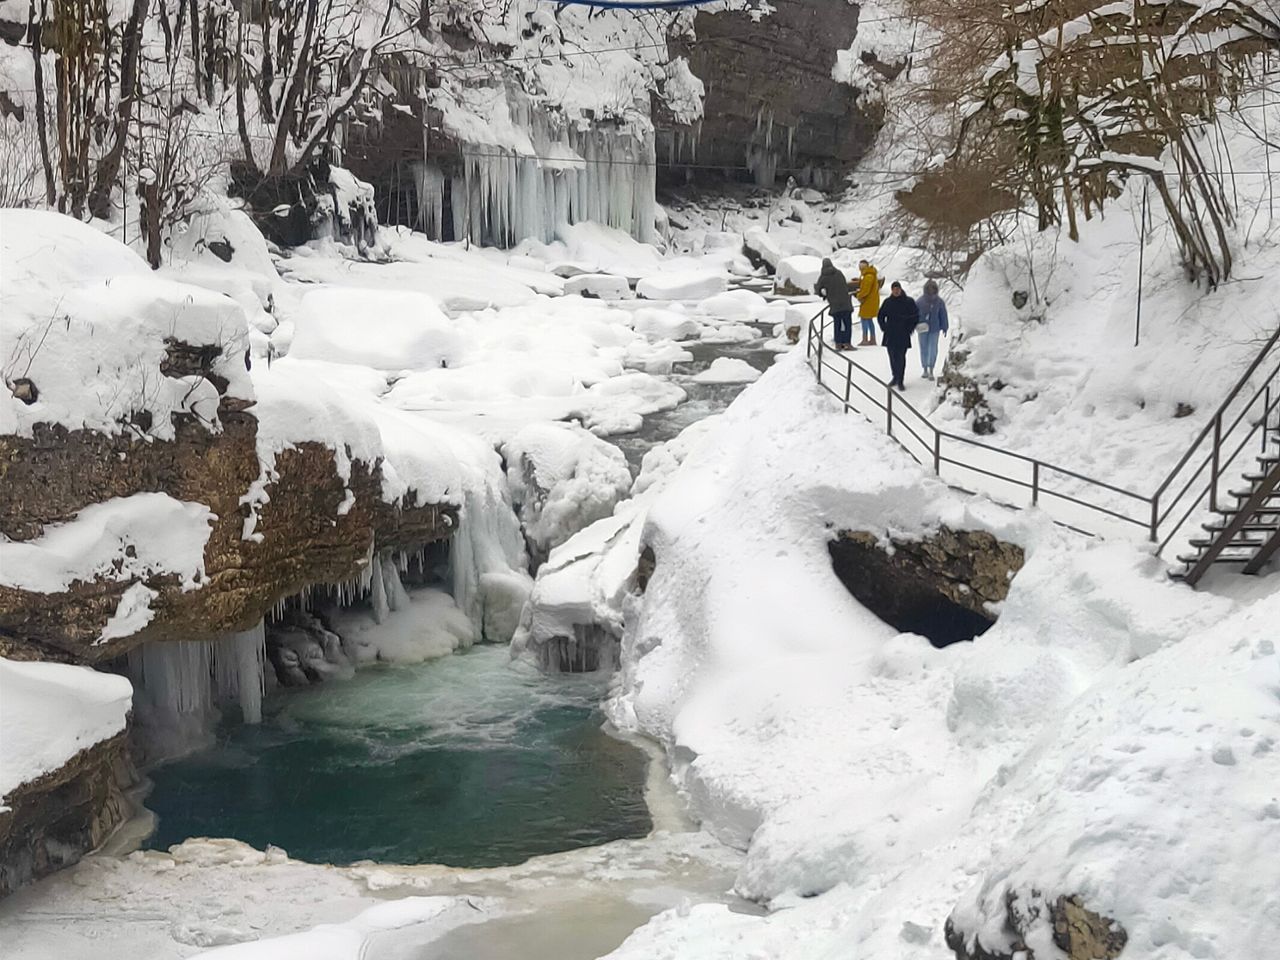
[
  {"x": 586, "y": 580},
  {"x": 692, "y": 285},
  {"x": 51, "y": 712},
  {"x": 1113, "y": 731},
  {"x": 728, "y": 370},
  {"x": 353, "y": 940},
  {"x": 382, "y": 329},
  {"x": 86, "y": 321},
  {"x": 405, "y": 626}
]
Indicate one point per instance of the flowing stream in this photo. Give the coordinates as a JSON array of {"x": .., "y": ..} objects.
[{"x": 468, "y": 765}]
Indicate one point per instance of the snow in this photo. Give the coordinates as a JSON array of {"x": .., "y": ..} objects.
[
  {"x": 51, "y": 712},
  {"x": 665, "y": 324},
  {"x": 562, "y": 479},
  {"x": 382, "y": 329},
  {"x": 690, "y": 285},
  {"x": 741, "y": 305},
  {"x": 800, "y": 272},
  {"x": 125, "y": 538},
  {"x": 602, "y": 286},
  {"x": 350, "y": 940},
  {"x": 728, "y": 370},
  {"x": 867, "y": 773},
  {"x": 79, "y": 308}
]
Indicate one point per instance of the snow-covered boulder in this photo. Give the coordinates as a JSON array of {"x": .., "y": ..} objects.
[
  {"x": 658, "y": 324},
  {"x": 600, "y": 286},
  {"x": 105, "y": 344},
  {"x": 562, "y": 479},
  {"x": 684, "y": 285},
  {"x": 61, "y": 734},
  {"x": 737, "y": 305},
  {"x": 382, "y": 329},
  {"x": 797, "y": 275},
  {"x": 728, "y": 370},
  {"x": 769, "y": 249}
]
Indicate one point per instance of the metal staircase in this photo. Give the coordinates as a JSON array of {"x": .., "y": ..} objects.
[{"x": 1246, "y": 533}]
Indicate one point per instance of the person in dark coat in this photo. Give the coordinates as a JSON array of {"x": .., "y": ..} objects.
[
  {"x": 898, "y": 318},
  {"x": 834, "y": 288}
]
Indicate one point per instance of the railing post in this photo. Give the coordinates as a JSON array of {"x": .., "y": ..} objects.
[
  {"x": 819, "y": 353},
  {"x": 848, "y": 384},
  {"x": 937, "y": 452},
  {"x": 1035, "y": 482},
  {"x": 888, "y": 407},
  {"x": 1217, "y": 450},
  {"x": 1155, "y": 518},
  {"x": 1266, "y": 412}
]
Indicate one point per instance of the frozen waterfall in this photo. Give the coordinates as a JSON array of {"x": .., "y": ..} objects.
[
  {"x": 179, "y": 685},
  {"x": 540, "y": 177}
]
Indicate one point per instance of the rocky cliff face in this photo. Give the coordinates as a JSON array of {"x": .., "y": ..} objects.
[
  {"x": 942, "y": 587},
  {"x": 50, "y": 822},
  {"x": 771, "y": 104},
  {"x": 56, "y": 472}
]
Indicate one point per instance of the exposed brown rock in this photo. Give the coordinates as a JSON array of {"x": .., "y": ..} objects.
[
  {"x": 52, "y": 821},
  {"x": 56, "y": 472},
  {"x": 1078, "y": 932},
  {"x": 940, "y": 586}
]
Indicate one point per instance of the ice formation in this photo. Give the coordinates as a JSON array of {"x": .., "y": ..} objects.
[
  {"x": 180, "y": 684},
  {"x": 523, "y": 175}
]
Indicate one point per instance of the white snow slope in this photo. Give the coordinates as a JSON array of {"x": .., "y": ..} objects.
[{"x": 1113, "y": 736}]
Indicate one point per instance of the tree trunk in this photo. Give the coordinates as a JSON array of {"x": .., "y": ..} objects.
[
  {"x": 35, "y": 26},
  {"x": 109, "y": 168}
]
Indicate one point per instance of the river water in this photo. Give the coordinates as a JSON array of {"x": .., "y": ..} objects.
[{"x": 470, "y": 761}]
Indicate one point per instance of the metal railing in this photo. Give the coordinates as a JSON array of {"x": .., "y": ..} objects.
[{"x": 1071, "y": 498}]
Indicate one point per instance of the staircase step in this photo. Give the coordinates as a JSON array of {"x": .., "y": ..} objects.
[
  {"x": 1246, "y": 494},
  {"x": 1191, "y": 561},
  {"x": 1204, "y": 543},
  {"x": 1247, "y": 528}
]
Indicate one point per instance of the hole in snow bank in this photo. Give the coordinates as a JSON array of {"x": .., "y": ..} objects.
[{"x": 943, "y": 587}]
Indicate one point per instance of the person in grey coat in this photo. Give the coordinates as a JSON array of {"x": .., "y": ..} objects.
[
  {"x": 933, "y": 324},
  {"x": 834, "y": 288}
]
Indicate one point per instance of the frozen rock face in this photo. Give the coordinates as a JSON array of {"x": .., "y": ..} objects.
[
  {"x": 305, "y": 537},
  {"x": 1080, "y": 933},
  {"x": 47, "y": 823},
  {"x": 771, "y": 103},
  {"x": 946, "y": 586}
]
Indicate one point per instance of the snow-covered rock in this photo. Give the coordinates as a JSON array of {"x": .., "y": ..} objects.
[
  {"x": 728, "y": 370},
  {"x": 692, "y": 285},
  {"x": 382, "y": 329},
  {"x": 601, "y": 286}
]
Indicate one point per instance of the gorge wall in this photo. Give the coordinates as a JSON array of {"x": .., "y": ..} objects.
[{"x": 772, "y": 108}]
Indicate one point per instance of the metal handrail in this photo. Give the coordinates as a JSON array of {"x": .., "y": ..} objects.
[{"x": 1153, "y": 519}]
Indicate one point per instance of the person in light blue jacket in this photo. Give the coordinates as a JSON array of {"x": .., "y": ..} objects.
[{"x": 933, "y": 324}]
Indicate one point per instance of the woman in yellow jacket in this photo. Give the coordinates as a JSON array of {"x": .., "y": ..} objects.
[{"x": 868, "y": 295}]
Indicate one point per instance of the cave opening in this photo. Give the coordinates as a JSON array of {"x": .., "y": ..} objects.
[{"x": 941, "y": 589}]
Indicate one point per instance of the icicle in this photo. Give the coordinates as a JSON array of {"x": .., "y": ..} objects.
[
  {"x": 377, "y": 594},
  {"x": 397, "y": 597}
]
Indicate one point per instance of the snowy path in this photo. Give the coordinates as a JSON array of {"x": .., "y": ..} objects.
[{"x": 970, "y": 463}]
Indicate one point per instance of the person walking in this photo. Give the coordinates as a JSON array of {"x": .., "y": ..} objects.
[
  {"x": 898, "y": 317},
  {"x": 868, "y": 302},
  {"x": 933, "y": 324},
  {"x": 834, "y": 288}
]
